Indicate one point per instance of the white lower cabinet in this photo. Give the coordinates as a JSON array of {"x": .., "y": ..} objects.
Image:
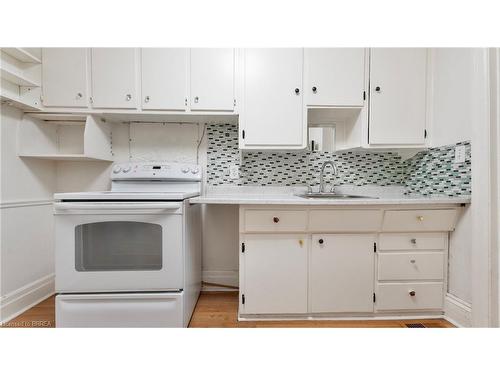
[
  {"x": 335, "y": 259},
  {"x": 315, "y": 261},
  {"x": 275, "y": 274}
]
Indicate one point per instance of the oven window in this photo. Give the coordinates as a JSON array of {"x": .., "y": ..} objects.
[{"x": 118, "y": 246}]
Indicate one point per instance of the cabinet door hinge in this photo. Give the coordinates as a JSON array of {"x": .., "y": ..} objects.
[
  {"x": 364, "y": 95},
  {"x": 374, "y": 247},
  {"x": 242, "y": 247},
  {"x": 243, "y": 134},
  {"x": 425, "y": 133},
  {"x": 242, "y": 299},
  {"x": 374, "y": 298}
]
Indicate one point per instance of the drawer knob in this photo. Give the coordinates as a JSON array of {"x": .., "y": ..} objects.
[
  {"x": 412, "y": 261},
  {"x": 420, "y": 218},
  {"x": 413, "y": 241},
  {"x": 276, "y": 219},
  {"x": 412, "y": 293},
  {"x": 321, "y": 241}
]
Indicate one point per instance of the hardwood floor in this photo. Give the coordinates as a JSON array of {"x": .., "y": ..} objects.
[{"x": 219, "y": 310}]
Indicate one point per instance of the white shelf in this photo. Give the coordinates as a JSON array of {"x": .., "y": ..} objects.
[
  {"x": 17, "y": 102},
  {"x": 66, "y": 157},
  {"x": 22, "y": 55},
  {"x": 17, "y": 78}
]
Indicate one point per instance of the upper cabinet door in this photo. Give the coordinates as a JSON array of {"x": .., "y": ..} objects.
[
  {"x": 114, "y": 77},
  {"x": 164, "y": 78},
  {"x": 335, "y": 76},
  {"x": 64, "y": 77},
  {"x": 272, "y": 111},
  {"x": 212, "y": 79},
  {"x": 398, "y": 85}
]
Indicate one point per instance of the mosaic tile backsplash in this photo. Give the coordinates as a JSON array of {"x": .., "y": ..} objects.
[{"x": 429, "y": 172}]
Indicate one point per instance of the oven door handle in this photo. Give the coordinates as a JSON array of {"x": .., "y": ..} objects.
[{"x": 128, "y": 206}]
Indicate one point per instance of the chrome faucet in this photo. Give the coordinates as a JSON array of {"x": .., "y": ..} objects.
[{"x": 322, "y": 173}]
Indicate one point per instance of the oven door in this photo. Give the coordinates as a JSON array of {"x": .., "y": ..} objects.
[{"x": 118, "y": 246}]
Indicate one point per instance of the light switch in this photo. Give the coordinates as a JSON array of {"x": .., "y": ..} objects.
[
  {"x": 234, "y": 172},
  {"x": 459, "y": 154}
]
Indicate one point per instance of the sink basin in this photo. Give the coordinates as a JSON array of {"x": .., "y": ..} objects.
[{"x": 333, "y": 196}]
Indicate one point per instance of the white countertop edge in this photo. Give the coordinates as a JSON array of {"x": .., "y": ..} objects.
[{"x": 293, "y": 200}]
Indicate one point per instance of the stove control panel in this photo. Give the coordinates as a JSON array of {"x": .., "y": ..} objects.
[{"x": 156, "y": 171}]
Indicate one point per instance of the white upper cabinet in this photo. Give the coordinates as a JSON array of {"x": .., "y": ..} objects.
[
  {"x": 64, "y": 77},
  {"x": 398, "y": 85},
  {"x": 271, "y": 115},
  {"x": 212, "y": 79},
  {"x": 335, "y": 76},
  {"x": 164, "y": 75},
  {"x": 114, "y": 77}
]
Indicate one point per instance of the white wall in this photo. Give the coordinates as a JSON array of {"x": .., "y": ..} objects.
[
  {"x": 453, "y": 118},
  {"x": 26, "y": 234}
]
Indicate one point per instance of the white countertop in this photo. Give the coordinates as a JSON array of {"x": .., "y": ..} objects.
[{"x": 286, "y": 196}]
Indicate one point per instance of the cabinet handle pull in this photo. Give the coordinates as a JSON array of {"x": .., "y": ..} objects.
[
  {"x": 413, "y": 241},
  {"x": 276, "y": 219},
  {"x": 128, "y": 97},
  {"x": 420, "y": 218},
  {"x": 146, "y": 99},
  {"x": 79, "y": 95},
  {"x": 377, "y": 89},
  {"x": 196, "y": 99},
  {"x": 412, "y": 293},
  {"x": 314, "y": 89},
  {"x": 321, "y": 241},
  {"x": 297, "y": 91}
]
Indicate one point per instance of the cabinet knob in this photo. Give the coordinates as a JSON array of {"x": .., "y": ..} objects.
[
  {"x": 321, "y": 241},
  {"x": 276, "y": 219},
  {"x": 128, "y": 97},
  {"x": 412, "y": 293},
  {"x": 314, "y": 89},
  {"x": 420, "y": 218},
  {"x": 412, "y": 261},
  {"x": 377, "y": 89},
  {"x": 79, "y": 95},
  {"x": 146, "y": 99},
  {"x": 196, "y": 99},
  {"x": 413, "y": 241},
  {"x": 297, "y": 91}
]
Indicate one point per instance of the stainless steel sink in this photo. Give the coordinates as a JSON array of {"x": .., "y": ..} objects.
[{"x": 333, "y": 196}]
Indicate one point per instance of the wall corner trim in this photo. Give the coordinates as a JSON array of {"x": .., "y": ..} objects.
[{"x": 457, "y": 311}]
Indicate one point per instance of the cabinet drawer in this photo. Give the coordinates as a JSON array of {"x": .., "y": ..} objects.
[
  {"x": 396, "y": 296},
  {"x": 413, "y": 241},
  {"x": 410, "y": 266},
  {"x": 345, "y": 220},
  {"x": 275, "y": 221},
  {"x": 419, "y": 220}
]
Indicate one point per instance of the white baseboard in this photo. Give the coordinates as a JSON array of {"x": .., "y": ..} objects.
[
  {"x": 229, "y": 278},
  {"x": 457, "y": 311},
  {"x": 22, "y": 299}
]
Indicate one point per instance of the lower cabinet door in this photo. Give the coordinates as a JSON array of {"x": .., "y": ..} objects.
[
  {"x": 341, "y": 273},
  {"x": 274, "y": 276}
]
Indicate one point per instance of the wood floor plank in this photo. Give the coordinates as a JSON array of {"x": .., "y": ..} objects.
[{"x": 220, "y": 310}]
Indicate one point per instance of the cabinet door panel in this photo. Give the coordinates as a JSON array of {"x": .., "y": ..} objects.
[
  {"x": 212, "y": 79},
  {"x": 398, "y": 107},
  {"x": 342, "y": 273},
  {"x": 64, "y": 75},
  {"x": 272, "y": 109},
  {"x": 114, "y": 77},
  {"x": 275, "y": 274},
  {"x": 164, "y": 78},
  {"x": 337, "y": 74}
]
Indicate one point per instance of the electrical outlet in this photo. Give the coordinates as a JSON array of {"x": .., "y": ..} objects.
[
  {"x": 459, "y": 154},
  {"x": 234, "y": 172}
]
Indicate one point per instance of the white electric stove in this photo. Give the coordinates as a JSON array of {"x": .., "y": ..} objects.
[{"x": 130, "y": 257}]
